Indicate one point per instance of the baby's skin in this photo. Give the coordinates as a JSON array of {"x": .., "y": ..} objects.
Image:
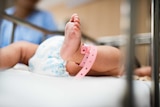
[{"x": 108, "y": 60}]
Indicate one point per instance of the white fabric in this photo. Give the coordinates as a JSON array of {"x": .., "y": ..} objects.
[
  {"x": 20, "y": 88},
  {"x": 47, "y": 59}
]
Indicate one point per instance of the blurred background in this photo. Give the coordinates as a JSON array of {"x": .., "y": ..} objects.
[{"x": 99, "y": 18}]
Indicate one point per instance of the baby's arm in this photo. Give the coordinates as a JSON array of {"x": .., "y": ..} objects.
[{"x": 15, "y": 53}]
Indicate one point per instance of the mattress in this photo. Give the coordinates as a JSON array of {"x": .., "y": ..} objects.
[{"x": 21, "y": 88}]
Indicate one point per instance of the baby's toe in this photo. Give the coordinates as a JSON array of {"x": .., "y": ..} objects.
[
  {"x": 76, "y": 19},
  {"x": 73, "y": 17}
]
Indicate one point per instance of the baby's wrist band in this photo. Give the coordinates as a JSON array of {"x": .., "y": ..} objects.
[{"x": 90, "y": 53}]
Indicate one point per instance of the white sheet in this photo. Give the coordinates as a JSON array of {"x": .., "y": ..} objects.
[{"x": 20, "y": 88}]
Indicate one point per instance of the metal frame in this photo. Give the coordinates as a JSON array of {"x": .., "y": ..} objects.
[
  {"x": 27, "y": 24},
  {"x": 17, "y": 21},
  {"x": 13, "y": 32},
  {"x": 130, "y": 16},
  {"x": 155, "y": 26}
]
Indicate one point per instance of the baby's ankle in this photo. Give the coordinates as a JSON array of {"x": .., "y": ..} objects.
[{"x": 77, "y": 57}]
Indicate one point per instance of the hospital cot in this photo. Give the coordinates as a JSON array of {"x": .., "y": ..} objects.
[{"x": 20, "y": 88}]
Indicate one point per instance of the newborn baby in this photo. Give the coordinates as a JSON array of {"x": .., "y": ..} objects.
[{"x": 64, "y": 56}]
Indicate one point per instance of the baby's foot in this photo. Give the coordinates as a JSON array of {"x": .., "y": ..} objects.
[{"x": 72, "y": 39}]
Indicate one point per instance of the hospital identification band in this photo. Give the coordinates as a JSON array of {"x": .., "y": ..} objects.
[{"x": 90, "y": 53}]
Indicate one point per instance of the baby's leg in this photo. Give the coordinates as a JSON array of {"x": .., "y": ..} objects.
[
  {"x": 108, "y": 60},
  {"x": 72, "y": 38},
  {"x": 16, "y": 52},
  {"x": 74, "y": 68}
]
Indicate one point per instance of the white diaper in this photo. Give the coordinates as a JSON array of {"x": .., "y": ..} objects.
[{"x": 47, "y": 59}]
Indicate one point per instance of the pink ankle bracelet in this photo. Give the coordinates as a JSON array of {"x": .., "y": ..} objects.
[{"x": 88, "y": 60}]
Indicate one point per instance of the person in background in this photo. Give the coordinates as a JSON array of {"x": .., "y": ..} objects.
[{"x": 26, "y": 10}]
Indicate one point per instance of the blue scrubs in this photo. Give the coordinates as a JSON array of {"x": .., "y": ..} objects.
[{"x": 38, "y": 17}]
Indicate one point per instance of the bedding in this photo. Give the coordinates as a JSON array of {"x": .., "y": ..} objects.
[{"x": 20, "y": 88}]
